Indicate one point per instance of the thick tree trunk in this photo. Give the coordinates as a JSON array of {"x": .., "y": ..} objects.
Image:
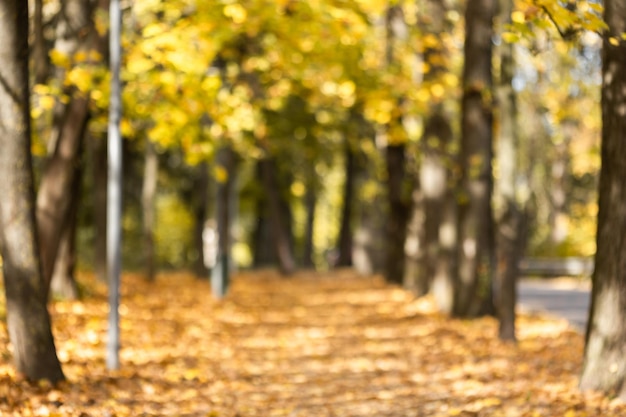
[
  {"x": 345, "y": 230},
  {"x": 398, "y": 216},
  {"x": 604, "y": 367},
  {"x": 279, "y": 217},
  {"x": 148, "y": 209},
  {"x": 28, "y": 320},
  {"x": 474, "y": 226}
]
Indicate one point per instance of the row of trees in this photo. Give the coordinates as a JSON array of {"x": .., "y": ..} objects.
[{"x": 271, "y": 97}]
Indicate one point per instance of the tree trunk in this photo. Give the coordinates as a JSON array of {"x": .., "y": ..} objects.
[
  {"x": 604, "y": 367},
  {"x": 201, "y": 212},
  {"x": 279, "y": 219},
  {"x": 64, "y": 285},
  {"x": 41, "y": 63},
  {"x": 224, "y": 210},
  {"x": 53, "y": 198},
  {"x": 28, "y": 320},
  {"x": 398, "y": 215},
  {"x": 345, "y": 230},
  {"x": 148, "y": 209},
  {"x": 310, "y": 200},
  {"x": 435, "y": 165},
  {"x": 99, "y": 173},
  {"x": 264, "y": 249},
  {"x": 511, "y": 224},
  {"x": 474, "y": 226}
]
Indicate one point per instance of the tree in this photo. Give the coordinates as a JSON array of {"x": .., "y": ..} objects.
[
  {"x": 61, "y": 167},
  {"x": 398, "y": 199},
  {"x": 26, "y": 290},
  {"x": 474, "y": 224},
  {"x": 148, "y": 209},
  {"x": 345, "y": 229},
  {"x": 429, "y": 256},
  {"x": 604, "y": 367},
  {"x": 510, "y": 218}
]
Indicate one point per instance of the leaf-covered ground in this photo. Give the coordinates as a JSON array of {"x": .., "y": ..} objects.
[{"x": 312, "y": 345}]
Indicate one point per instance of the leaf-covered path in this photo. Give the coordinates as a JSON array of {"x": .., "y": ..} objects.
[{"x": 311, "y": 345}]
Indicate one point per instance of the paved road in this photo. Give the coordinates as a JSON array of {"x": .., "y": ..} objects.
[{"x": 568, "y": 299}]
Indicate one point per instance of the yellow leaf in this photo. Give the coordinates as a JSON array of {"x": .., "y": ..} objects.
[
  {"x": 139, "y": 65},
  {"x": 614, "y": 41},
  {"x": 47, "y": 102},
  {"x": 60, "y": 59},
  {"x": 518, "y": 17},
  {"x": 510, "y": 37},
  {"x": 221, "y": 174},
  {"x": 236, "y": 12}
]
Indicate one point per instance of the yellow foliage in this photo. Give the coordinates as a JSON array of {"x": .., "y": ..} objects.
[
  {"x": 220, "y": 174},
  {"x": 236, "y": 12},
  {"x": 81, "y": 78},
  {"x": 60, "y": 59}
]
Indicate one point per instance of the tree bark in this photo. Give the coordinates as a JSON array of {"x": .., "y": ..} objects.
[
  {"x": 310, "y": 200},
  {"x": 604, "y": 366},
  {"x": 227, "y": 160},
  {"x": 53, "y": 198},
  {"x": 473, "y": 282},
  {"x": 398, "y": 215},
  {"x": 279, "y": 218},
  {"x": 434, "y": 169},
  {"x": 148, "y": 209},
  {"x": 345, "y": 230},
  {"x": 41, "y": 63},
  {"x": 201, "y": 212},
  {"x": 28, "y": 320},
  {"x": 99, "y": 174},
  {"x": 511, "y": 221},
  {"x": 63, "y": 284}
]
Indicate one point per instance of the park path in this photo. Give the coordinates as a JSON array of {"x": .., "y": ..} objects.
[
  {"x": 564, "y": 298},
  {"x": 310, "y": 345}
]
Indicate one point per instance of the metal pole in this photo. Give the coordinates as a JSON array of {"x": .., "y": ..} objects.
[{"x": 114, "y": 201}]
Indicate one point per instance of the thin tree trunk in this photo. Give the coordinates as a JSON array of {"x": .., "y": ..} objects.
[
  {"x": 226, "y": 159},
  {"x": 474, "y": 227},
  {"x": 148, "y": 197},
  {"x": 511, "y": 224},
  {"x": 53, "y": 198},
  {"x": 41, "y": 63},
  {"x": 281, "y": 230},
  {"x": 604, "y": 366},
  {"x": 310, "y": 201},
  {"x": 345, "y": 230},
  {"x": 64, "y": 283},
  {"x": 423, "y": 244},
  {"x": 201, "y": 210},
  {"x": 54, "y": 195},
  {"x": 28, "y": 320},
  {"x": 99, "y": 173},
  {"x": 100, "y": 168}
]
